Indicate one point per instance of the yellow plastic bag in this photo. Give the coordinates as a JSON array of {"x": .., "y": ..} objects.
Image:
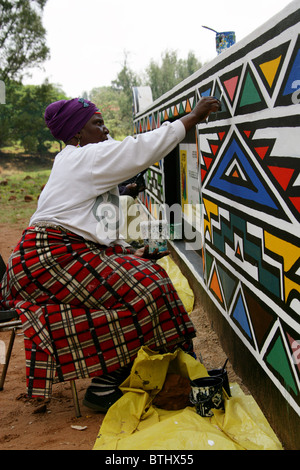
[
  {"x": 133, "y": 423},
  {"x": 180, "y": 282},
  {"x": 244, "y": 422}
]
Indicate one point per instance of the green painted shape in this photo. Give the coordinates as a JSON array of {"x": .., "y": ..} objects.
[
  {"x": 228, "y": 284},
  {"x": 209, "y": 261},
  {"x": 277, "y": 358},
  {"x": 250, "y": 94},
  {"x": 181, "y": 109},
  {"x": 268, "y": 279}
]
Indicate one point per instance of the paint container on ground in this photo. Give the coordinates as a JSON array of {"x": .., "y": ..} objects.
[
  {"x": 224, "y": 376},
  {"x": 207, "y": 394},
  {"x": 176, "y": 231},
  {"x": 155, "y": 234}
]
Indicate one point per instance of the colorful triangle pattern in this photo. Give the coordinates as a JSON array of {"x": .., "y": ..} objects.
[
  {"x": 290, "y": 82},
  {"x": 277, "y": 358},
  {"x": 283, "y": 173},
  {"x": 230, "y": 82},
  {"x": 239, "y": 314},
  {"x": 255, "y": 323},
  {"x": 251, "y": 99},
  {"x": 261, "y": 319},
  {"x": 269, "y": 65},
  {"x": 215, "y": 146},
  {"x": 229, "y": 284},
  {"x": 247, "y": 185},
  {"x": 250, "y": 192},
  {"x": 215, "y": 287}
]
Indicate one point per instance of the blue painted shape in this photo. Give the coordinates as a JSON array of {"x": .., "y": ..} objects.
[
  {"x": 206, "y": 92},
  {"x": 294, "y": 77},
  {"x": 240, "y": 315},
  {"x": 259, "y": 194}
]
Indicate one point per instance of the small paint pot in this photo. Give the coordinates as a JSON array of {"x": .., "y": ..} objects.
[{"x": 207, "y": 394}]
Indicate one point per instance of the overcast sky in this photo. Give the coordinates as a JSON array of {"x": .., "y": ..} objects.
[{"x": 87, "y": 38}]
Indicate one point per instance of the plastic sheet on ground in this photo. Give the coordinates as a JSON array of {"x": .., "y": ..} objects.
[
  {"x": 134, "y": 423},
  {"x": 180, "y": 282}
]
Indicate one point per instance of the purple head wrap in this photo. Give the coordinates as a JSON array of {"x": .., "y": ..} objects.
[{"x": 65, "y": 118}]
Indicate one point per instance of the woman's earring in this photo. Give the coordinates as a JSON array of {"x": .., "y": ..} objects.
[{"x": 78, "y": 142}]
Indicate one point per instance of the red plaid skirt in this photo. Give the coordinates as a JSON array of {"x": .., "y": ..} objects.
[{"x": 87, "y": 309}]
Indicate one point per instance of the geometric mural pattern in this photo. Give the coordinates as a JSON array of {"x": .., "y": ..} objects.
[
  {"x": 249, "y": 169},
  {"x": 153, "y": 197}
]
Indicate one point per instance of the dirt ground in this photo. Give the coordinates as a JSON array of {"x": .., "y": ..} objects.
[{"x": 36, "y": 425}]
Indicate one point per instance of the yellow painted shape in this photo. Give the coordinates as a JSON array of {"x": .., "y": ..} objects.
[
  {"x": 210, "y": 208},
  {"x": 183, "y": 178},
  {"x": 269, "y": 69},
  {"x": 290, "y": 255}
]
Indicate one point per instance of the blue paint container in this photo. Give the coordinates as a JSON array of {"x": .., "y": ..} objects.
[{"x": 224, "y": 41}]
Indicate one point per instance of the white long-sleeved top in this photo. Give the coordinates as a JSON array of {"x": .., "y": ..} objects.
[{"x": 82, "y": 193}]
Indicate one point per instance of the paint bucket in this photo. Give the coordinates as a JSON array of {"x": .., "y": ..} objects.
[
  {"x": 224, "y": 41},
  {"x": 207, "y": 394},
  {"x": 224, "y": 376},
  {"x": 176, "y": 231},
  {"x": 155, "y": 235}
]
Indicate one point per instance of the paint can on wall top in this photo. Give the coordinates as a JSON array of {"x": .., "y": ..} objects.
[{"x": 224, "y": 40}]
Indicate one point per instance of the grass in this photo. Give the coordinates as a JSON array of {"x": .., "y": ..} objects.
[
  {"x": 19, "y": 149},
  {"x": 19, "y": 192}
]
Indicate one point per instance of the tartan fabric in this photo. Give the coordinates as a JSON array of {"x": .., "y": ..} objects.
[{"x": 87, "y": 309}]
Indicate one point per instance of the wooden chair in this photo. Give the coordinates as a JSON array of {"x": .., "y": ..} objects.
[{"x": 9, "y": 321}]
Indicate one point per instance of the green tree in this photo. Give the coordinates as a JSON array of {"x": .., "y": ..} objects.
[
  {"x": 108, "y": 101},
  {"x": 22, "y": 117},
  {"x": 116, "y": 101},
  {"x": 162, "y": 78},
  {"x": 125, "y": 81},
  {"x": 22, "y": 37}
]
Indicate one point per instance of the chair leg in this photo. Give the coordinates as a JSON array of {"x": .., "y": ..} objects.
[
  {"x": 5, "y": 367},
  {"x": 7, "y": 359},
  {"x": 75, "y": 398}
]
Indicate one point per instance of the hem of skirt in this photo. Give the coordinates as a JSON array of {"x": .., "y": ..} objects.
[
  {"x": 163, "y": 349},
  {"x": 178, "y": 341}
]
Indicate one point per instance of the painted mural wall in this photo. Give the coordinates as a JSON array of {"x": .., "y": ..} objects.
[{"x": 243, "y": 168}]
